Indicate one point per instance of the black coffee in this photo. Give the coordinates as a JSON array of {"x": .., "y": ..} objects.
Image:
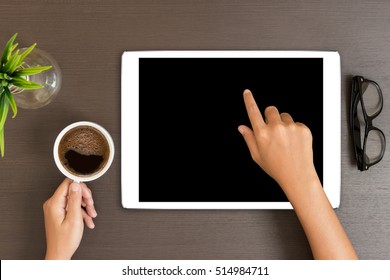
[
  {"x": 83, "y": 151},
  {"x": 83, "y": 164}
]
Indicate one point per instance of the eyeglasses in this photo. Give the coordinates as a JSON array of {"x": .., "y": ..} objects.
[{"x": 366, "y": 105}]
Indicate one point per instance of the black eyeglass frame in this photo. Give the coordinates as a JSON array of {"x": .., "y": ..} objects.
[{"x": 357, "y": 95}]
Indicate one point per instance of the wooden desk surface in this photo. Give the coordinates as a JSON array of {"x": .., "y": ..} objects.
[{"x": 87, "y": 39}]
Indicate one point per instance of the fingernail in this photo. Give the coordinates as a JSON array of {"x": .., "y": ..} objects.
[
  {"x": 241, "y": 129},
  {"x": 247, "y": 91},
  {"x": 94, "y": 213},
  {"x": 75, "y": 187}
]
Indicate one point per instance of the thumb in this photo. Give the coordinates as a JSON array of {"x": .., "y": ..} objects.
[{"x": 74, "y": 202}]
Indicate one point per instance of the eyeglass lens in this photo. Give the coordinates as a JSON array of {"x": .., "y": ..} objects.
[
  {"x": 371, "y": 98},
  {"x": 373, "y": 146}
]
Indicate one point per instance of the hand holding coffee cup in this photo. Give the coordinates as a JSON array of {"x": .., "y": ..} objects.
[{"x": 83, "y": 151}]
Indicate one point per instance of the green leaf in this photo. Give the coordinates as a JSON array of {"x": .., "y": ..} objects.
[
  {"x": 30, "y": 86},
  {"x": 3, "y": 110},
  {"x": 3, "y": 117},
  {"x": 11, "y": 101},
  {"x": 7, "y": 49},
  {"x": 12, "y": 61},
  {"x": 30, "y": 71},
  {"x": 2, "y": 142},
  {"x": 22, "y": 83},
  {"x": 19, "y": 81},
  {"x": 26, "y": 52},
  {"x": 14, "y": 47},
  {"x": 18, "y": 62}
]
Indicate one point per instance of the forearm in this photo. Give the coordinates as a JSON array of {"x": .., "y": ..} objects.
[
  {"x": 324, "y": 232},
  {"x": 283, "y": 149}
]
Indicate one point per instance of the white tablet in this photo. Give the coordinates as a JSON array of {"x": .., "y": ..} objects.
[{"x": 180, "y": 112}]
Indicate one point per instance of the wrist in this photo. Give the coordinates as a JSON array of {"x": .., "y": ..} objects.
[
  {"x": 55, "y": 256},
  {"x": 302, "y": 188}
]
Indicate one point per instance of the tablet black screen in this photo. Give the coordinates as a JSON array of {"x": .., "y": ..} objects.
[{"x": 189, "y": 111}]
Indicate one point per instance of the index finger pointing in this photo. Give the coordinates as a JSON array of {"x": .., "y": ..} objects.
[{"x": 253, "y": 111}]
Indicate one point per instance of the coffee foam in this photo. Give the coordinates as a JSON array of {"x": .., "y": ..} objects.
[{"x": 85, "y": 141}]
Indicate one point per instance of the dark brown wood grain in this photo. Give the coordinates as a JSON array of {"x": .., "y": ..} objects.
[{"x": 87, "y": 39}]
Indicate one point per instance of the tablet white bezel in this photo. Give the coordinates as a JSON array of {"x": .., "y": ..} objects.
[{"x": 130, "y": 127}]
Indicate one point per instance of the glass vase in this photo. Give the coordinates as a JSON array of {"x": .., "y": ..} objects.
[{"x": 50, "y": 79}]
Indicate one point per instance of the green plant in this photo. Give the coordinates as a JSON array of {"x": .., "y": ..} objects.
[{"x": 14, "y": 74}]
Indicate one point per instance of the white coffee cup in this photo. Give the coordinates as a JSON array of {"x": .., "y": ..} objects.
[{"x": 88, "y": 177}]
